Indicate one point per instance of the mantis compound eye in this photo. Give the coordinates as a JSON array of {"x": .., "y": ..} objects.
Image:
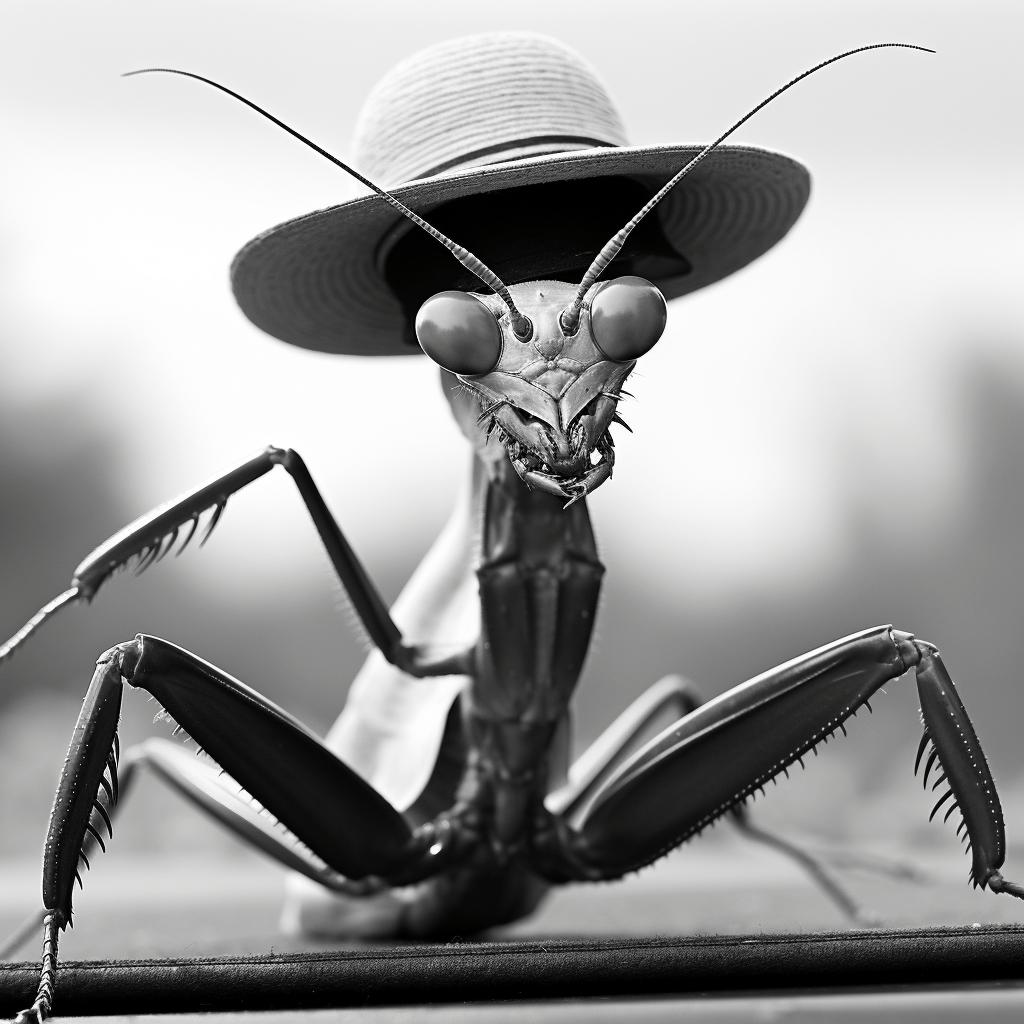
[
  {"x": 459, "y": 333},
  {"x": 627, "y": 317}
]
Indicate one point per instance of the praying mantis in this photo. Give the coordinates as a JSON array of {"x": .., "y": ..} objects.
[{"x": 533, "y": 371}]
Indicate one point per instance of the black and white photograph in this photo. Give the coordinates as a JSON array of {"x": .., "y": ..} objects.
[{"x": 510, "y": 510}]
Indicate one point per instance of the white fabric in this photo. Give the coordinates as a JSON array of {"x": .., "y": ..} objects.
[{"x": 391, "y": 726}]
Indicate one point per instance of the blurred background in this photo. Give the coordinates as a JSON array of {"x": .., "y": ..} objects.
[{"x": 832, "y": 438}]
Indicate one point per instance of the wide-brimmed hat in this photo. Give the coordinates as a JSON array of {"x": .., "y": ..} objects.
[{"x": 509, "y": 144}]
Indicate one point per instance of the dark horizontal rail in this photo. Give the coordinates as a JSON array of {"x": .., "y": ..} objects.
[{"x": 552, "y": 969}]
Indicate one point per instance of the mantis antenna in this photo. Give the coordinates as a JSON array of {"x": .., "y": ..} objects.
[
  {"x": 570, "y": 317},
  {"x": 521, "y": 324}
]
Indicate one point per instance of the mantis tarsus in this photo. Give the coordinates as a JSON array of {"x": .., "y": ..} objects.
[{"x": 533, "y": 372}]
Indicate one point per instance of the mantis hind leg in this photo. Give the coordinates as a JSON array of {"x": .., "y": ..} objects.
[
  {"x": 812, "y": 865},
  {"x": 668, "y": 699}
]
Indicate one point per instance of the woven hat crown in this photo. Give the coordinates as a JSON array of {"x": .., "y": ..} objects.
[
  {"x": 499, "y": 140},
  {"x": 482, "y": 99}
]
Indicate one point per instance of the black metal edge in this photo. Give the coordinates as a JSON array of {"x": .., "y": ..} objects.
[{"x": 549, "y": 969}]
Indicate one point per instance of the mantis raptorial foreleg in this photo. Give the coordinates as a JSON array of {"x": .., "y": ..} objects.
[
  {"x": 645, "y": 717},
  {"x": 343, "y": 829},
  {"x": 151, "y": 537},
  {"x": 715, "y": 757}
]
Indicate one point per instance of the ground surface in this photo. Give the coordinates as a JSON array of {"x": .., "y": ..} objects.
[
  {"x": 988, "y": 1005},
  {"x": 136, "y": 906}
]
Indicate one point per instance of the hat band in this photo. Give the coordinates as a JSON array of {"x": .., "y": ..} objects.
[{"x": 514, "y": 150}]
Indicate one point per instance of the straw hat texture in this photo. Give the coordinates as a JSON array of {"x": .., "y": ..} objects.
[{"x": 509, "y": 144}]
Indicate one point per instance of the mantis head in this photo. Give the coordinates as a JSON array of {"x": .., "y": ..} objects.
[{"x": 546, "y": 393}]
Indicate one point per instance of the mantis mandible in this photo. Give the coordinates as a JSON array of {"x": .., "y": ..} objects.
[{"x": 487, "y": 817}]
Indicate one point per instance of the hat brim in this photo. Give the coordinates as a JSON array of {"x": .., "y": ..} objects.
[{"x": 315, "y": 281}]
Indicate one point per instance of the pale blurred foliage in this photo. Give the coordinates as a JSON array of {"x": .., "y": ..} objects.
[{"x": 828, "y": 440}]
